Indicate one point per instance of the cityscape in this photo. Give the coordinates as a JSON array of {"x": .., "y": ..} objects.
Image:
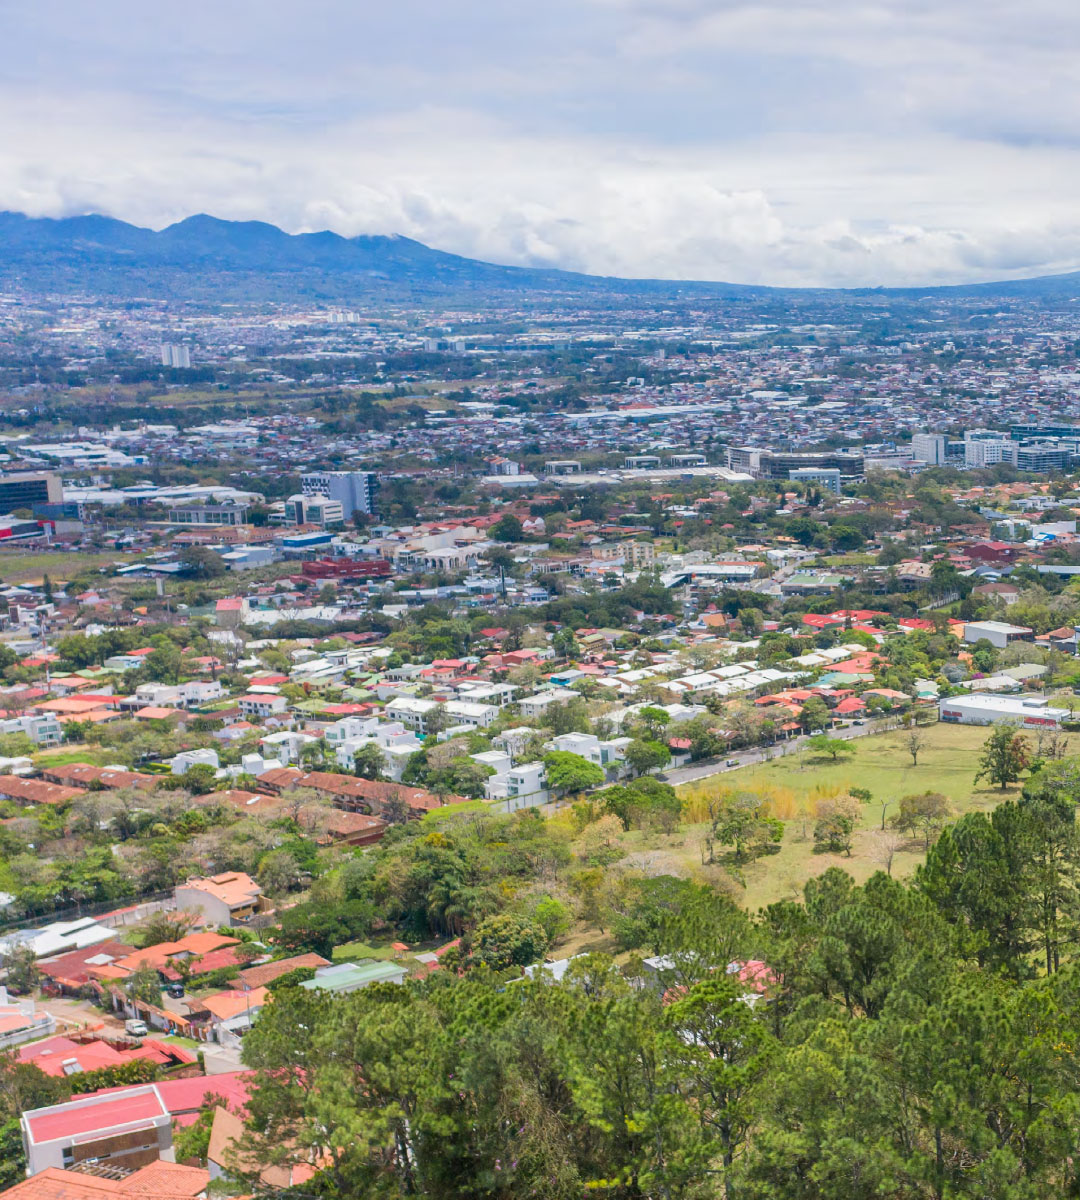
[{"x": 539, "y": 603}]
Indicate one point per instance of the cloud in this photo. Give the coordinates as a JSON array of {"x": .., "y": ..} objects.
[{"x": 791, "y": 141}]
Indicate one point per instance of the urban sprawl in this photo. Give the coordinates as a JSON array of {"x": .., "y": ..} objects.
[{"x": 488, "y": 751}]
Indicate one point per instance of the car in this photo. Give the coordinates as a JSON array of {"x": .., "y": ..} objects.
[
  {"x": 859, "y": 721},
  {"x": 176, "y": 990},
  {"x": 136, "y": 1028},
  {"x": 732, "y": 762},
  {"x": 816, "y": 732}
]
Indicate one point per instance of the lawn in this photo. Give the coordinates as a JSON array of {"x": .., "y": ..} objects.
[
  {"x": 61, "y": 756},
  {"x": 354, "y": 951},
  {"x": 57, "y": 564},
  {"x": 880, "y": 762}
]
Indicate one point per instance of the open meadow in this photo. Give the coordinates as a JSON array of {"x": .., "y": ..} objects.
[{"x": 881, "y": 763}]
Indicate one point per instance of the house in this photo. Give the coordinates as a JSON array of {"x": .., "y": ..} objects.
[
  {"x": 341, "y": 978},
  {"x": 158, "y": 1180},
  {"x": 534, "y": 707},
  {"x": 263, "y": 705},
  {"x": 266, "y": 973},
  {"x": 20, "y": 1021},
  {"x": 58, "y": 937},
  {"x": 229, "y": 899},
  {"x": 126, "y": 1129},
  {"x": 230, "y": 1013},
  {"x": 524, "y": 786},
  {"x": 187, "y": 759},
  {"x": 997, "y": 633}
]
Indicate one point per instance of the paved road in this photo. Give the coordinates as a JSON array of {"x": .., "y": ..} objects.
[{"x": 745, "y": 758}]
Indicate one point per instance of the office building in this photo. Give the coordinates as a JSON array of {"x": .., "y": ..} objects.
[
  {"x": 987, "y": 447},
  {"x": 778, "y": 464},
  {"x": 208, "y": 514},
  {"x": 929, "y": 448},
  {"x": 821, "y": 476},
  {"x": 353, "y": 490},
  {"x": 1043, "y": 457},
  {"x": 175, "y": 355},
  {"x": 313, "y": 510},
  {"x": 27, "y": 488}
]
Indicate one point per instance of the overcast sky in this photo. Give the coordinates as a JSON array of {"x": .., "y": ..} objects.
[{"x": 771, "y": 141}]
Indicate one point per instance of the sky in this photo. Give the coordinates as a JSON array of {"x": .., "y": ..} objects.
[{"x": 788, "y": 142}]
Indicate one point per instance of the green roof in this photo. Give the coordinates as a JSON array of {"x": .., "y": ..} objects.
[{"x": 348, "y": 976}]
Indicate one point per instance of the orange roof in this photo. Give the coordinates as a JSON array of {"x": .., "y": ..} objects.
[
  {"x": 233, "y": 888},
  {"x": 156, "y": 1181},
  {"x": 226, "y": 1005}
]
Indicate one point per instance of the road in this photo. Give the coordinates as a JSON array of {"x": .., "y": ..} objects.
[{"x": 746, "y": 758}]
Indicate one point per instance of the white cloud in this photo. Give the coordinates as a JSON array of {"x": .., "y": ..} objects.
[{"x": 794, "y": 141}]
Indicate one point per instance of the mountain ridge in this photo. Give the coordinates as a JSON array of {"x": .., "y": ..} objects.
[{"x": 203, "y": 257}]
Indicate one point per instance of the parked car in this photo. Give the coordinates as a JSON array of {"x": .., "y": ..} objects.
[
  {"x": 176, "y": 990},
  {"x": 136, "y": 1028}
]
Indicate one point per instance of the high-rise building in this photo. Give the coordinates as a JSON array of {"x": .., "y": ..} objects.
[
  {"x": 175, "y": 355},
  {"x": 353, "y": 490},
  {"x": 987, "y": 447},
  {"x": 929, "y": 448}
]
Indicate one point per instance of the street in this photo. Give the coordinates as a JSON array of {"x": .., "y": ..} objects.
[{"x": 703, "y": 770}]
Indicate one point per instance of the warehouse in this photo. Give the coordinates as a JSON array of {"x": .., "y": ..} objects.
[{"x": 983, "y": 709}]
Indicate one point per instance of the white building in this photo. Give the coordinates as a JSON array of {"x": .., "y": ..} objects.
[
  {"x": 986, "y": 447},
  {"x": 928, "y": 448},
  {"x": 985, "y": 709},
  {"x": 186, "y": 759},
  {"x": 997, "y": 633},
  {"x": 533, "y": 707},
  {"x": 353, "y": 490},
  {"x": 521, "y": 787}
]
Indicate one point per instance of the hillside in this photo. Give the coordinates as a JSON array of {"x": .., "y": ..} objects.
[{"x": 205, "y": 259}]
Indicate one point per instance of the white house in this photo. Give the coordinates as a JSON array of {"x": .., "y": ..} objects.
[
  {"x": 521, "y": 787},
  {"x": 181, "y": 762},
  {"x": 262, "y": 705},
  {"x": 534, "y": 707}
]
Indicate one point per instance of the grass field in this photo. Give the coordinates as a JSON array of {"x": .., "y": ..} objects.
[
  {"x": 60, "y": 756},
  {"x": 947, "y": 763},
  {"x": 59, "y": 565}
]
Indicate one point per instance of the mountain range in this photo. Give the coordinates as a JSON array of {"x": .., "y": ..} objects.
[{"x": 206, "y": 259}]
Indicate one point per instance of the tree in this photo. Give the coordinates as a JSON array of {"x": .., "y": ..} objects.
[
  {"x": 923, "y": 810},
  {"x": 508, "y": 529},
  {"x": 279, "y": 873},
  {"x": 369, "y": 762},
  {"x": 202, "y": 563},
  {"x": 835, "y": 824},
  {"x": 642, "y": 801},
  {"x": 655, "y": 719},
  {"x": 504, "y": 941},
  {"x": 815, "y": 714},
  {"x": 743, "y": 822},
  {"x": 1004, "y": 756},
  {"x": 914, "y": 740},
  {"x": 647, "y": 756},
  {"x": 720, "y": 1051},
  {"x": 23, "y": 974},
  {"x": 144, "y": 984},
  {"x": 318, "y": 928},
  {"x": 570, "y": 774},
  {"x": 833, "y": 747}
]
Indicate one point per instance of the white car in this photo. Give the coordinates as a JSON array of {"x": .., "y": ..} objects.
[{"x": 136, "y": 1028}]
